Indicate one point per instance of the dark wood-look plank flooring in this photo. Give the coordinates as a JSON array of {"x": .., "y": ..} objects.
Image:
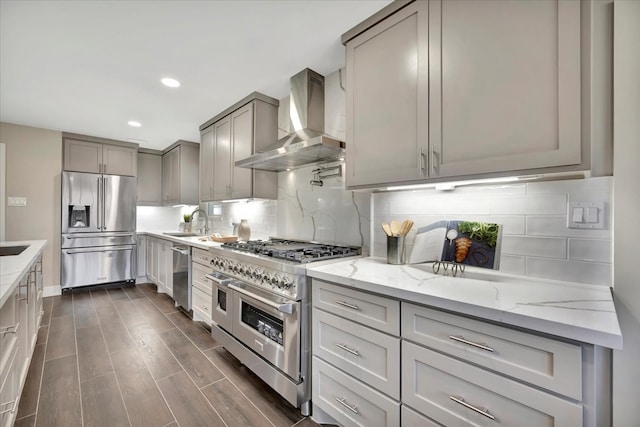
[{"x": 126, "y": 357}]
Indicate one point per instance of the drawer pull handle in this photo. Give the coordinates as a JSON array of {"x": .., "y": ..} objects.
[
  {"x": 353, "y": 409},
  {"x": 471, "y": 343},
  {"x": 346, "y": 304},
  {"x": 10, "y": 410},
  {"x": 348, "y": 349},
  {"x": 10, "y": 329},
  {"x": 461, "y": 401}
]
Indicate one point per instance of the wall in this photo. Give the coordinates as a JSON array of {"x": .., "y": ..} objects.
[
  {"x": 3, "y": 187},
  {"x": 160, "y": 218},
  {"x": 536, "y": 241},
  {"x": 260, "y": 214},
  {"x": 34, "y": 162},
  {"x": 626, "y": 370}
]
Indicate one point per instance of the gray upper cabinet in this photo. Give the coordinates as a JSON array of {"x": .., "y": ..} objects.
[
  {"x": 180, "y": 174},
  {"x": 241, "y": 130},
  {"x": 387, "y": 110},
  {"x": 460, "y": 89},
  {"x": 98, "y": 157},
  {"x": 149, "y": 178},
  {"x": 504, "y": 85},
  {"x": 207, "y": 147}
]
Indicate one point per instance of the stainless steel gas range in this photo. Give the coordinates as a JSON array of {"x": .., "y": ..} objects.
[{"x": 261, "y": 309}]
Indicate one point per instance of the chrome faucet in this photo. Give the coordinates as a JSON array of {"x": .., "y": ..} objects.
[{"x": 206, "y": 219}]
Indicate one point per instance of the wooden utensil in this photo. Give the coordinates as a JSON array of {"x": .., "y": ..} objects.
[
  {"x": 405, "y": 227},
  {"x": 386, "y": 228},
  {"x": 395, "y": 227}
]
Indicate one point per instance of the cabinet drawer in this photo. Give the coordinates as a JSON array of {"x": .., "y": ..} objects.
[
  {"x": 201, "y": 256},
  {"x": 9, "y": 389},
  {"x": 456, "y": 393},
  {"x": 201, "y": 303},
  {"x": 547, "y": 363},
  {"x": 371, "y": 310},
  {"x": 369, "y": 355},
  {"x": 349, "y": 401},
  {"x": 10, "y": 327},
  {"x": 411, "y": 418},
  {"x": 198, "y": 273}
]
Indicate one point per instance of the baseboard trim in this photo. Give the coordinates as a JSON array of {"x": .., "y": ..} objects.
[{"x": 50, "y": 291}]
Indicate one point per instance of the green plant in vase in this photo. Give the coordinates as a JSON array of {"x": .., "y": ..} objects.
[{"x": 187, "y": 222}]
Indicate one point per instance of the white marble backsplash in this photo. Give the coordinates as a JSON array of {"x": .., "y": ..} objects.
[{"x": 328, "y": 214}]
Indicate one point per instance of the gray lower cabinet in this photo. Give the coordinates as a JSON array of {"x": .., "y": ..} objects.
[
  {"x": 356, "y": 362},
  {"x": 466, "y": 88},
  {"x": 20, "y": 318},
  {"x": 243, "y": 129},
  {"x": 202, "y": 288},
  {"x": 149, "y": 178},
  {"x": 446, "y": 369}
]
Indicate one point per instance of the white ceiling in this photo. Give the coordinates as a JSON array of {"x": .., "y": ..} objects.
[{"x": 91, "y": 66}]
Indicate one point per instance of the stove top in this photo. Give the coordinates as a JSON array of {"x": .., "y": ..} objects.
[{"x": 293, "y": 250}]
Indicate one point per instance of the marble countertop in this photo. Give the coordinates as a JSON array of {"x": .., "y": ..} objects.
[
  {"x": 194, "y": 241},
  {"x": 579, "y": 312},
  {"x": 13, "y": 268}
]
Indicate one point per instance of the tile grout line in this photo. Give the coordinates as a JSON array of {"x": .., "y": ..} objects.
[
  {"x": 43, "y": 363},
  {"x": 109, "y": 353},
  {"x": 75, "y": 339},
  {"x": 175, "y": 419}
]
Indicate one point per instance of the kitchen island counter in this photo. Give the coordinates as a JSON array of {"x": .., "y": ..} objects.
[
  {"x": 575, "y": 311},
  {"x": 14, "y": 267}
]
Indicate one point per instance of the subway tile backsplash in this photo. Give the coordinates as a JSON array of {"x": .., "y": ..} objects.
[{"x": 536, "y": 241}]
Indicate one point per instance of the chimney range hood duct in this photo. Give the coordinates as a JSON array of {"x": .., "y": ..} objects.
[{"x": 306, "y": 144}]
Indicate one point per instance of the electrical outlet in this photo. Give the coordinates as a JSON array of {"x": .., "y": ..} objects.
[{"x": 16, "y": 201}]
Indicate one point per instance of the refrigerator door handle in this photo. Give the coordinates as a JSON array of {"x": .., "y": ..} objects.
[
  {"x": 99, "y": 200},
  {"x": 99, "y": 249},
  {"x": 104, "y": 199}
]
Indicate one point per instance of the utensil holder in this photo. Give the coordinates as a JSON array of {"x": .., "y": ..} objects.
[{"x": 395, "y": 250}]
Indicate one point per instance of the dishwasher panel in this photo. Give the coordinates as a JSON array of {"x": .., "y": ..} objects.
[{"x": 182, "y": 277}]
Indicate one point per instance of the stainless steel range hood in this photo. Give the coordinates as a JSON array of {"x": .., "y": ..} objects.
[{"x": 307, "y": 144}]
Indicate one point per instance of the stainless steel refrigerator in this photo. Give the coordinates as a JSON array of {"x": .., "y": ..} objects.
[{"x": 98, "y": 229}]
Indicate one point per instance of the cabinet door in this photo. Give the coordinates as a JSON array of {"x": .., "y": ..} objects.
[
  {"x": 222, "y": 159},
  {"x": 167, "y": 266},
  {"x": 141, "y": 247},
  {"x": 151, "y": 260},
  {"x": 161, "y": 257},
  {"x": 82, "y": 156},
  {"x": 171, "y": 176},
  {"x": 504, "y": 81},
  {"x": 119, "y": 160},
  {"x": 387, "y": 100},
  {"x": 242, "y": 146},
  {"x": 206, "y": 164},
  {"x": 149, "y": 179}
]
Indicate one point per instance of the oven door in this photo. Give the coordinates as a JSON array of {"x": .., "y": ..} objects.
[
  {"x": 222, "y": 304},
  {"x": 269, "y": 325}
]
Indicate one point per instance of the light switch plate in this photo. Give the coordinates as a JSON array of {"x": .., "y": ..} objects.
[
  {"x": 589, "y": 215},
  {"x": 16, "y": 201}
]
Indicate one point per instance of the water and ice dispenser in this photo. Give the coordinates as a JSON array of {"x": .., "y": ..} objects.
[{"x": 79, "y": 216}]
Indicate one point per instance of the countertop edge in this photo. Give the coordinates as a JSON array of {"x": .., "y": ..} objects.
[
  {"x": 26, "y": 260},
  {"x": 193, "y": 243},
  {"x": 545, "y": 326}
]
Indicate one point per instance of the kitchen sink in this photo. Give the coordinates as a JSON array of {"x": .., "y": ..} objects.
[
  {"x": 180, "y": 234},
  {"x": 12, "y": 250}
]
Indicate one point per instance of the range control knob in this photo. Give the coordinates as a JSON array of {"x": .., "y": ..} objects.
[
  {"x": 275, "y": 280},
  {"x": 287, "y": 283}
]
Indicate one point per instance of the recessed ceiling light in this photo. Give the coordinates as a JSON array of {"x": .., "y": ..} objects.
[
  {"x": 134, "y": 123},
  {"x": 168, "y": 81}
]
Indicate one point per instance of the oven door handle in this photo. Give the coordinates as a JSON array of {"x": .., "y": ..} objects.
[
  {"x": 221, "y": 282},
  {"x": 282, "y": 308}
]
